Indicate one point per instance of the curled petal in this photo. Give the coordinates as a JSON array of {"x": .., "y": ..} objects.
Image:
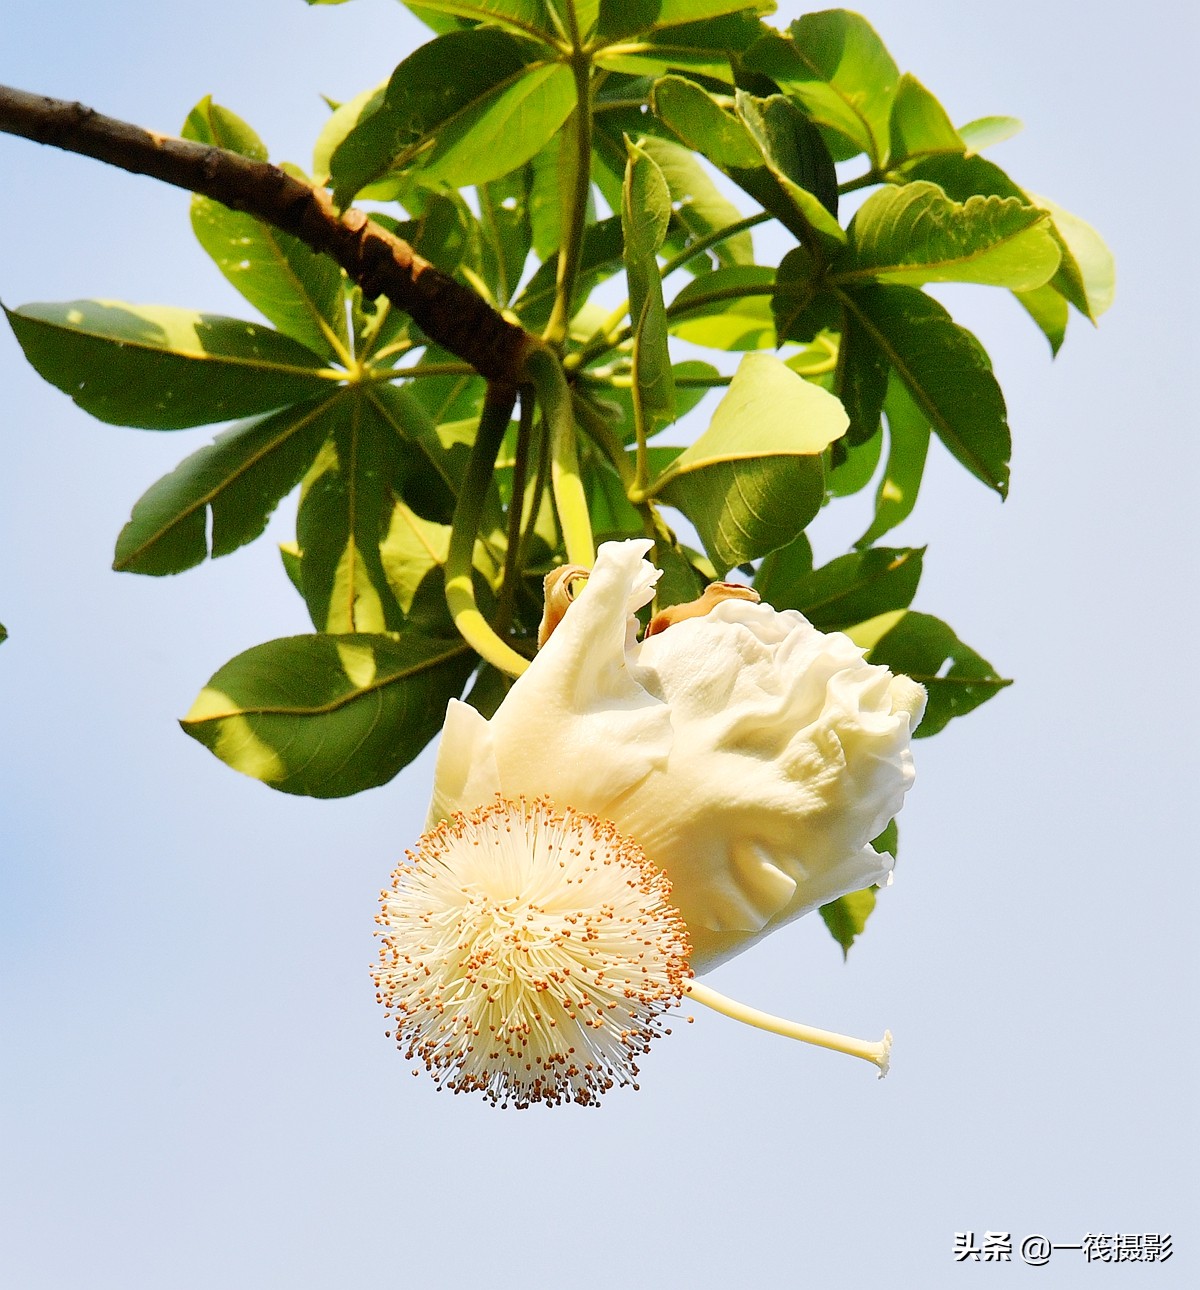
[{"x": 750, "y": 755}]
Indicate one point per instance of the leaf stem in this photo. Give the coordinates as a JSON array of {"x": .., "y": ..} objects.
[
  {"x": 554, "y": 398},
  {"x": 571, "y": 250},
  {"x": 516, "y": 508},
  {"x": 878, "y": 1053},
  {"x": 460, "y": 589}
]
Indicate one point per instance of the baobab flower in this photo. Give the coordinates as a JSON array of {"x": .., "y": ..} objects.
[{"x": 742, "y": 753}]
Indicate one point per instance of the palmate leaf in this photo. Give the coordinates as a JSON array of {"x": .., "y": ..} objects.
[
  {"x": 165, "y": 369},
  {"x": 239, "y": 479},
  {"x": 325, "y": 715},
  {"x": 466, "y": 108},
  {"x": 946, "y": 371},
  {"x": 915, "y": 234},
  {"x": 755, "y": 478}
]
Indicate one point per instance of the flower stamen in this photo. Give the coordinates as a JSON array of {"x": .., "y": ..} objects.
[{"x": 529, "y": 953}]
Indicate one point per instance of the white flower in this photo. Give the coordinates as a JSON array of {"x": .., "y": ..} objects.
[
  {"x": 528, "y": 954},
  {"x": 751, "y": 757},
  {"x": 708, "y": 784}
]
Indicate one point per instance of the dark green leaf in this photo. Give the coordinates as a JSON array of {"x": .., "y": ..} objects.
[
  {"x": 862, "y": 379},
  {"x": 327, "y": 716},
  {"x": 700, "y": 48},
  {"x": 851, "y": 589},
  {"x": 695, "y": 117},
  {"x": 956, "y": 678},
  {"x": 847, "y": 916},
  {"x": 797, "y": 158},
  {"x": 603, "y": 248},
  {"x": 464, "y": 109},
  {"x": 946, "y": 370},
  {"x": 239, "y": 479},
  {"x": 162, "y": 368},
  {"x": 908, "y": 443},
  {"x": 635, "y": 17}
]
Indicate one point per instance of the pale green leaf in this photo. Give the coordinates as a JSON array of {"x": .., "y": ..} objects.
[{"x": 914, "y": 233}]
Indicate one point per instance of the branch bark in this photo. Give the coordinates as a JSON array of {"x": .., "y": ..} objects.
[{"x": 382, "y": 264}]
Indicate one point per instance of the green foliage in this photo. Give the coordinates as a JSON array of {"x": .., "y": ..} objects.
[{"x": 702, "y": 121}]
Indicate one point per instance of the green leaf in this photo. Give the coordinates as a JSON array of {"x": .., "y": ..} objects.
[
  {"x": 1088, "y": 275},
  {"x": 987, "y": 131},
  {"x": 946, "y": 370},
  {"x": 603, "y": 248},
  {"x": 162, "y": 368},
  {"x": 702, "y": 48},
  {"x": 345, "y": 511},
  {"x": 837, "y": 67},
  {"x": 3, "y": 633},
  {"x": 464, "y": 109},
  {"x": 919, "y": 125},
  {"x": 847, "y": 916},
  {"x": 699, "y": 204},
  {"x": 798, "y": 159},
  {"x": 908, "y": 443},
  {"x": 848, "y": 590},
  {"x": 861, "y": 381},
  {"x": 645, "y": 214},
  {"x": 528, "y": 17},
  {"x": 239, "y": 479},
  {"x": 755, "y": 478},
  {"x": 914, "y": 233},
  {"x": 297, "y": 290},
  {"x": 210, "y": 123},
  {"x": 327, "y": 716},
  {"x": 636, "y": 17},
  {"x": 955, "y": 677},
  {"x": 853, "y": 467},
  {"x": 726, "y": 309},
  {"x": 695, "y": 117},
  {"x": 341, "y": 121},
  {"x": 504, "y": 213},
  {"x": 1049, "y": 310}
]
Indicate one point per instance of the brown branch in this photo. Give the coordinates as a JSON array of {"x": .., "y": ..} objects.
[{"x": 382, "y": 264}]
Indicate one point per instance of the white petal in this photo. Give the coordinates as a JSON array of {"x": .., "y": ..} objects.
[
  {"x": 576, "y": 726},
  {"x": 466, "y": 775}
]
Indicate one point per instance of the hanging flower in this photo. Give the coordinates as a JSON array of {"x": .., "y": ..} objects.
[
  {"x": 747, "y": 756},
  {"x": 530, "y": 953}
]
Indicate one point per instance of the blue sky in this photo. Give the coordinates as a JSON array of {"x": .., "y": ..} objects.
[{"x": 195, "y": 1088}]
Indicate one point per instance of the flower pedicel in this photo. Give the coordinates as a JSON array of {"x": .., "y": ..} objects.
[{"x": 634, "y": 812}]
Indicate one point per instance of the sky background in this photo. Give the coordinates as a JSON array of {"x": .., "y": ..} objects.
[{"x": 195, "y": 1086}]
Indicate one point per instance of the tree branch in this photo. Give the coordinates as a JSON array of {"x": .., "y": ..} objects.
[{"x": 381, "y": 263}]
